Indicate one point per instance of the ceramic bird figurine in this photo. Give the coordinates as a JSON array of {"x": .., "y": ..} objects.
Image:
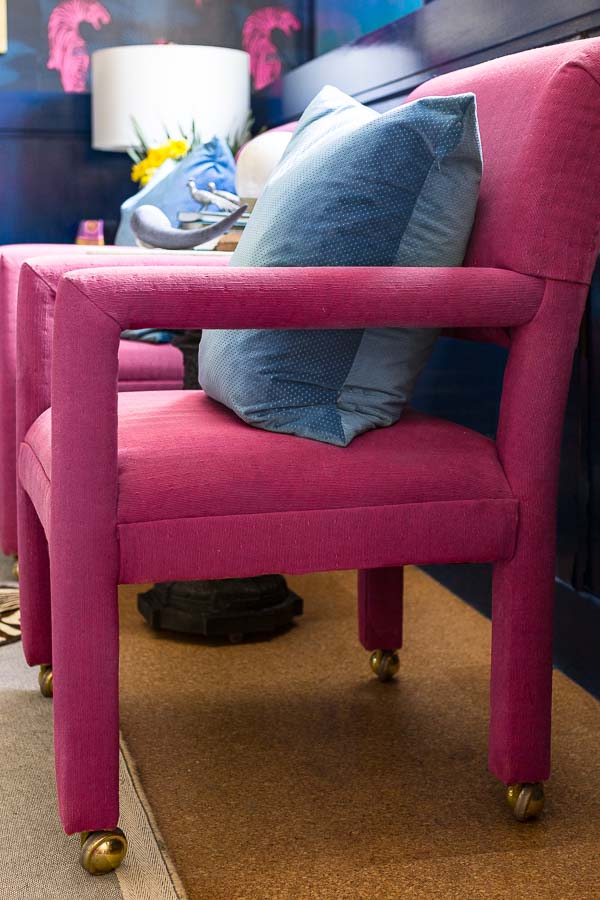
[
  {"x": 223, "y": 199},
  {"x": 152, "y": 228}
]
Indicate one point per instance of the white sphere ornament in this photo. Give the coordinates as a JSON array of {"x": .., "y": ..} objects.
[{"x": 257, "y": 160}]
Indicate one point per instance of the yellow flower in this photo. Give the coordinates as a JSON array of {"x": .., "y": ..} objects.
[
  {"x": 176, "y": 149},
  {"x": 156, "y": 156},
  {"x": 143, "y": 171}
]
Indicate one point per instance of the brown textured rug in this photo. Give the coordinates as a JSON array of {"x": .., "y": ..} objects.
[{"x": 284, "y": 770}]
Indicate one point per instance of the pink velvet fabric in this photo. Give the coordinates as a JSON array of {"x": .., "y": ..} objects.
[
  {"x": 537, "y": 111},
  {"x": 10, "y": 264},
  {"x": 532, "y": 107},
  {"x": 142, "y": 366},
  {"x": 149, "y": 367},
  {"x": 165, "y": 441},
  {"x": 380, "y": 607},
  {"x": 315, "y": 297}
]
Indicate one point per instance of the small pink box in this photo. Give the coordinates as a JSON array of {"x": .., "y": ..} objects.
[{"x": 91, "y": 232}]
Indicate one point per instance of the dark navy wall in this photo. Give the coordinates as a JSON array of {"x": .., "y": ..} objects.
[
  {"x": 50, "y": 178},
  {"x": 383, "y": 66}
]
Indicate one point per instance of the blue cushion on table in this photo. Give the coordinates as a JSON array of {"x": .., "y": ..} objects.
[
  {"x": 354, "y": 188},
  {"x": 168, "y": 189}
]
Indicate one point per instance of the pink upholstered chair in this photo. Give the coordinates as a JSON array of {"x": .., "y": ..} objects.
[
  {"x": 142, "y": 366},
  {"x": 138, "y": 487}
]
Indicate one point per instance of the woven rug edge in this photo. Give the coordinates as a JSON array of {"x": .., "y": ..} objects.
[{"x": 134, "y": 776}]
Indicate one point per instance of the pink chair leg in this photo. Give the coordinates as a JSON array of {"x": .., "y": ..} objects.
[
  {"x": 85, "y": 633},
  {"x": 380, "y": 600},
  {"x": 521, "y": 678},
  {"x": 528, "y": 444},
  {"x": 34, "y": 585}
]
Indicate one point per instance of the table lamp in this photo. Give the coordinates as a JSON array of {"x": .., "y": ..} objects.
[{"x": 167, "y": 87}]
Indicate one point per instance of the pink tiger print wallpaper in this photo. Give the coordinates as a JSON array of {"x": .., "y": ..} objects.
[
  {"x": 257, "y": 40},
  {"x": 68, "y": 51},
  {"x": 51, "y": 41}
]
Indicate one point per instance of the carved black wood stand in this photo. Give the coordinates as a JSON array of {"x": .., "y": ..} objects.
[{"x": 231, "y": 607}]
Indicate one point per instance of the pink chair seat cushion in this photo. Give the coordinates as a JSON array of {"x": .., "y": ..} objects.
[
  {"x": 182, "y": 455},
  {"x": 155, "y": 365}
]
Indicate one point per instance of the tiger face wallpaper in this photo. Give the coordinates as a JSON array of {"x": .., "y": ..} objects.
[{"x": 50, "y": 42}]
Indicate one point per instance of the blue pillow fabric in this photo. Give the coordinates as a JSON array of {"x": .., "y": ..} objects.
[
  {"x": 168, "y": 189},
  {"x": 354, "y": 188}
]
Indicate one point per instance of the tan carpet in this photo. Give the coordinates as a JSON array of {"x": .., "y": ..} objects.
[{"x": 284, "y": 770}]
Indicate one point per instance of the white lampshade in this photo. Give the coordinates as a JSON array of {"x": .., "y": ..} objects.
[
  {"x": 257, "y": 160},
  {"x": 167, "y": 86}
]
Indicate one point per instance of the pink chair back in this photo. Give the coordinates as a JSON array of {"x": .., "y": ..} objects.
[{"x": 539, "y": 115}]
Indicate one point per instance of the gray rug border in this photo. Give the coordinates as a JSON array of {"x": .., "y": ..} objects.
[
  {"x": 148, "y": 872},
  {"x": 136, "y": 783}
]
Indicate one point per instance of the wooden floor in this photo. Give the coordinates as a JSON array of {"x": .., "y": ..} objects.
[{"x": 283, "y": 770}]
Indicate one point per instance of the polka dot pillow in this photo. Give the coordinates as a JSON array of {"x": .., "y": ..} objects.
[{"x": 354, "y": 188}]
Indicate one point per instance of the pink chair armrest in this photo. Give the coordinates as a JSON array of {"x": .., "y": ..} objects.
[{"x": 312, "y": 297}]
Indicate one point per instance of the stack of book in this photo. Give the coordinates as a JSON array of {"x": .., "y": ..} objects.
[
  {"x": 190, "y": 220},
  {"x": 227, "y": 242}
]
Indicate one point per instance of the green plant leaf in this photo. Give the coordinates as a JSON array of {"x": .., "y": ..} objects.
[{"x": 140, "y": 136}]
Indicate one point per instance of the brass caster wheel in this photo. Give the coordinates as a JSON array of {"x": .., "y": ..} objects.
[
  {"x": 384, "y": 664},
  {"x": 526, "y": 800},
  {"x": 45, "y": 681},
  {"x": 15, "y": 568},
  {"x": 102, "y": 851}
]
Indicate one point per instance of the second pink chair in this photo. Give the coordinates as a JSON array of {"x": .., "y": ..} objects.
[{"x": 142, "y": 366}]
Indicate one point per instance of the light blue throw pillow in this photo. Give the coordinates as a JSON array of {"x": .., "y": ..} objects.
[
  {"x": 354, "y": 188},
  {"x": 168, "y": 189}
]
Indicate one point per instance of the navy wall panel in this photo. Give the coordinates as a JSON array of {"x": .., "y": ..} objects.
[
  {"x": 50, "y": 178},
  {"x": 443, "y": 35}
]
